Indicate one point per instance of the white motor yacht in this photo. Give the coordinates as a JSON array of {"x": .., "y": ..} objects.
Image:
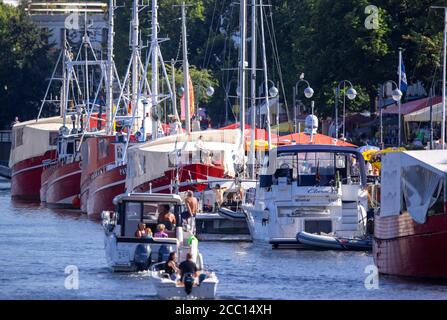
[{"x": 318, "y": 189}]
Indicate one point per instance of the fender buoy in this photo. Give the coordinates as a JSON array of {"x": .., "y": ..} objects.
[{"x": 76, "y": 202}]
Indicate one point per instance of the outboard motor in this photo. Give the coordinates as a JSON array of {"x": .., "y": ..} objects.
[
  {"x": 188, "y": 281},
  {"x": 142, "y": 257},
  {"x": 163, "y": 253}
]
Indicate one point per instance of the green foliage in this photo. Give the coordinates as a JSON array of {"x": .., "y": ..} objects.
[
  {"x": 24, "y": 65},
  {"x": 325, "y": 39}
]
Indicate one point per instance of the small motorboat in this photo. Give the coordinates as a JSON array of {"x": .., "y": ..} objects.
[
  {"x": 203, "y": 287},
  {"x": 324, "y": 242},
  {"x": 127, "y": 253}
]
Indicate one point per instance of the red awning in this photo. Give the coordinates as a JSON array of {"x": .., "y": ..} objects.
[
  {"x": 260, "y": 134},
  {"x": 411, "y": 106},
  {"x": 303, "y": 138}
]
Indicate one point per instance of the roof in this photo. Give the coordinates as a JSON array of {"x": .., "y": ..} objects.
[
  {"x": 260, "y": 134},
  {"x": 148, "y": 197},
  {"x": 411, "y": 106},
  {"x": 316, "y": 148},
  {"x": 303, "y": 138}
]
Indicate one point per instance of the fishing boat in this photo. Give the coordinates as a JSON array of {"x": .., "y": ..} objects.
[
  {"x": 34, "y": 143},
  {"x": 82, "y": 104},
  {"x": 126, "y": 252},
  {"x": 410, "y": 230},
  {"x": 318, "y": 189},
  {"x": 134, "y": 120}
]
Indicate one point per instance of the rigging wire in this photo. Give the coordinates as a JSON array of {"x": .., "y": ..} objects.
[
  {"x": 210, "y": 31},
  {"x": 276, "y": 53}
]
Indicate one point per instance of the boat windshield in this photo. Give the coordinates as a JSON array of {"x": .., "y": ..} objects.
[{"x": 318, "y": 168}]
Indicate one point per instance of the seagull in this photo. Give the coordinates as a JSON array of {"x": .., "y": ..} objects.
[{"x": 302, "y": 76}]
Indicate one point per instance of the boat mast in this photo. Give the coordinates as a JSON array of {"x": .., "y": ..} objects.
[
  {"x": 264, "y": 66},
  {"x": 64, "y": 76},
  {"x": 154, "y": 68},
  {"x": 185, "y": 72},
  {"x": 253, "y": 89},
  {"x": 86, "y": 42},
  {"x": 109, "y": 86},
  {"x": 134, "y": 45},
  {"x": 242, "y": 56}
]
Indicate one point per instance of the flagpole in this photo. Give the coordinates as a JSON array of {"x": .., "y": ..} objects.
[
  {"x": 443, "y": 75},
  {"x": 185, "y": 73},
  {"x": 399, "y": 102}
]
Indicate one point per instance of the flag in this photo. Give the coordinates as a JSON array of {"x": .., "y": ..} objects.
[
  {"x": 191, "y": 102},
  {"x": 403, "y": 82}
]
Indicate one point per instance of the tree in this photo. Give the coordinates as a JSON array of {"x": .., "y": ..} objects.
[{"x": 25, "y": 63}]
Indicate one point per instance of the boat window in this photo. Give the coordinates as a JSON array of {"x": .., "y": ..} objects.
[
  {"x": 133, "y": 217},
  {"x": 84, "y": 155},
  {"x": 316, "y": 168},
  {"x": 103, "y": 148},
  {"x": 53, "y": 138},
  {"x": 286, "y": 166},
  {"x": 18, "y": 137},
  {"x": 353, "y": 170},
  {"x": 70, "y": 147}
]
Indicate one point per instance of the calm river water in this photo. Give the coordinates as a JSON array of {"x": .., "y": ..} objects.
[{"x": 37, "y": 244}]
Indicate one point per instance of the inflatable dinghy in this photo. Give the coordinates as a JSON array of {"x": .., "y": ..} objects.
[
  {"x": 333, "y": 243},
  {"x": 230, "y": 214}
]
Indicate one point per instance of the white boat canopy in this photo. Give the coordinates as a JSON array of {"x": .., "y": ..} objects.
[
  {"x": 34, "y": 138},
  {"x": 412, "y": 181},
  {"x": 151, "y": 160}
]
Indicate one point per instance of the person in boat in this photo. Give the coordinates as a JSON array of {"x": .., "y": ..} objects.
[
  {"x": 219, "y": 193},
  {"x": 161, "y": 232},
  {"x": 192, "y": 206},
  {"x": 148, "y": 234},
  {"x": 187, "y": 267},
  {"x": 171, "y": 267},
  {"x": 166, "y": 217},
  {"x": 141, "y": 231}
]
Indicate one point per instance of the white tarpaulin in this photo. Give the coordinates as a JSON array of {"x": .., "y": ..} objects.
[
  {"x": 150, "y": 160},
  {"x": 34, "y": 138},
  {"x": 417, "y": 177}
]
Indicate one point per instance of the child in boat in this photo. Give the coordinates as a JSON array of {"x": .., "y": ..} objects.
[
  {"x": 148, "y": 233},
  {"x": 161, "y": 232}
]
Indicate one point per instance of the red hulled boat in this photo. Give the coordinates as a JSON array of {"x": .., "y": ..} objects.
[
  {"x": 184, "y": 162},
  {"x": 101, "y": 179},
  {"x": 410, "y": 236},
  {"x": 33, "y": 144}
]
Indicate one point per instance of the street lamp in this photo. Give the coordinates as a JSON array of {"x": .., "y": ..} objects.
[
  {"x": 308, "y": 93},
  {"x": 351, "y": 93},
  {"x": 396, "y": 95},
  {"x": 431, "y": 95}
]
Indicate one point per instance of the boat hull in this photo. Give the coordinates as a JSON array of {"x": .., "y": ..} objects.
[
  {"x": 63, "y": 185},
  {"x": 191, "y": 177},
  {"x": 26, "y": 177},
  {"x": 403, "y": 247},
  {"x": 102, "y": 188}
]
